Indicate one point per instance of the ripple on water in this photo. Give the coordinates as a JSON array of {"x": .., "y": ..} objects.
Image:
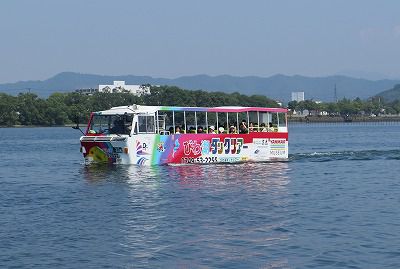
[{"x": 332, "y": 205}]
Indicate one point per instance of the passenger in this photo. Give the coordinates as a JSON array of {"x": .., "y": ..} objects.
[
  {"x": 200, "y": 130},
  {"x": 243, "y": 127},
  {"x": 128, "y": 129},
  {"x": 192, "y": 130},
  {"x": 211, "y": 129},
  {"x": 118, "y": 127},
  {"x": 271, "y": 128},
  {"x": 263, "y": 128},
  {"x": 232, "y": 129},
  {"x": 221, "y": 130},
  {"x": 251, "y": 127},
  {"x": 171, "y": 130},
  {"x": 177, "y": 130}
]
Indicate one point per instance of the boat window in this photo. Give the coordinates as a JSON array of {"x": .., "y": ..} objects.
[
  {"x": 221, "y": 123},
  {"x": 173, "y": 122},
  {"x": 253, "y": 121},
  {"x": 165, "y": 122},
  {"x": 146, "y": 123},
  {"x": 282, "y": 119},
  {"x": 162, "y": 123},
  {"x": 243, "y": 122},
  {"x": 201, "y": 122},
  {"x": 212, "y": 122},
  {"x": 265, "y": 118},
  {"x": 178, "y": 122},
  {"x": 190, "y": 122},
  {"x": 110, "y": 124},
  {"x": 274, "y": 121},
  {"x": 232, "y": 120}
]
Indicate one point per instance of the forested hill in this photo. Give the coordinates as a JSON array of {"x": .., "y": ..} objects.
[
  {"x": 390, "y": 95},
  {"x": 66, "y": 108},
  {"x": 277, "y": 87}
]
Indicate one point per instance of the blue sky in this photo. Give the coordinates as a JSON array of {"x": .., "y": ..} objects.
[{"x": 175, "y": 38}]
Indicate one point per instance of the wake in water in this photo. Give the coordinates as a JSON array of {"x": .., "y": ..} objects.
[{"x": 346, "y": 155}]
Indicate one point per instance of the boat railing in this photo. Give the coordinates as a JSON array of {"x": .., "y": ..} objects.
[{"x": 255, "y": 129}]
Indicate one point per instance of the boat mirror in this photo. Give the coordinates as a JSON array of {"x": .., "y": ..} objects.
[{"x": 78, "y": 128}]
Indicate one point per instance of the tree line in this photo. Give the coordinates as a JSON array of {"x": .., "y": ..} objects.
[
  {"x": 347, "y": 107},
  {"x": 67, "y": 108}
]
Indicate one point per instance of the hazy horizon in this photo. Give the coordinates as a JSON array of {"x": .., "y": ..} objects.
[
  {"x": 179, "y": 38},
  {"x": 376, "y": 76}
]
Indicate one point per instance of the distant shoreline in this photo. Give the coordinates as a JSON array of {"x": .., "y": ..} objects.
[
  {"x": 328, "y": 119},
  {"x": 291, "y": 119}
]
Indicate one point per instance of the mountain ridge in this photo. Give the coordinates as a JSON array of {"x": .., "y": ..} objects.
[
  {"x": 390, "y": 95},
  {"x": 277, "y": 86}
]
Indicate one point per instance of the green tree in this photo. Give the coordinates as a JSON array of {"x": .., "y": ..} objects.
[
  {"x": 31, "y": 109},
  {"x": 8, "y": 110}
]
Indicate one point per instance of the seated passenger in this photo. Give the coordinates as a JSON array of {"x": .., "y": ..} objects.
[
  {"x": 263, "y": 128},
  {"x": 177, "y": 130},
  {"x": 171, "y": 130},
  {"x": 251, "y": 127},
  {"x": 256, "y": 128},
  {"x": 221, "y": 130},
  {"x": 271, "y": 128},
  {"x": 200, "y": 130},
  {"x": 243, "y": 127},
  {"x": 211, "y": 129},
  {"x": 232, "y": 129}
]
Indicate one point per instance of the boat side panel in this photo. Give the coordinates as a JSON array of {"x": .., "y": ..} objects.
[{"x": 210, "y": 148}]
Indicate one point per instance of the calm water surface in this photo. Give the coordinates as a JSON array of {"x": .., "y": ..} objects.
[{"x": 335, "y": 204}]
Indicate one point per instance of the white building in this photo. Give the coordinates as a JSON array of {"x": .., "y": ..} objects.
[
  {"x": 298, "y": 96},
  {"x": 120, "y": 86}
]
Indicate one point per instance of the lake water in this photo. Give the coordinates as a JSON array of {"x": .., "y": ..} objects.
[{"x": 335, "y": 204}]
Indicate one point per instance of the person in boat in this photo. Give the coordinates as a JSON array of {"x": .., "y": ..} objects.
[
  {"x": 128, "y": 129},
  {"x": 118, "y": 127},
  {"x": 263, "y": 128},
  {"x": 232, "y": 129},
  {"x": 271, "y": 127},
  {"x": 221, "y": 130},
  {"x": 183, "y": 129},
  {"x": 177, "y": 130},
  {"x": 243, "y": 127},
  {"x": 211, "y": 129},
  {"x": 200, "y": 130},
  {"x": 251, "y": 127}
]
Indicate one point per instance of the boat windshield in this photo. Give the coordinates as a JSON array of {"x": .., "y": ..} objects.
[{"x": 110, "y": 124}]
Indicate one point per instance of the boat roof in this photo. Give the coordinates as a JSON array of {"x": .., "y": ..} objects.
[{"x": 137, "y": 109}]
